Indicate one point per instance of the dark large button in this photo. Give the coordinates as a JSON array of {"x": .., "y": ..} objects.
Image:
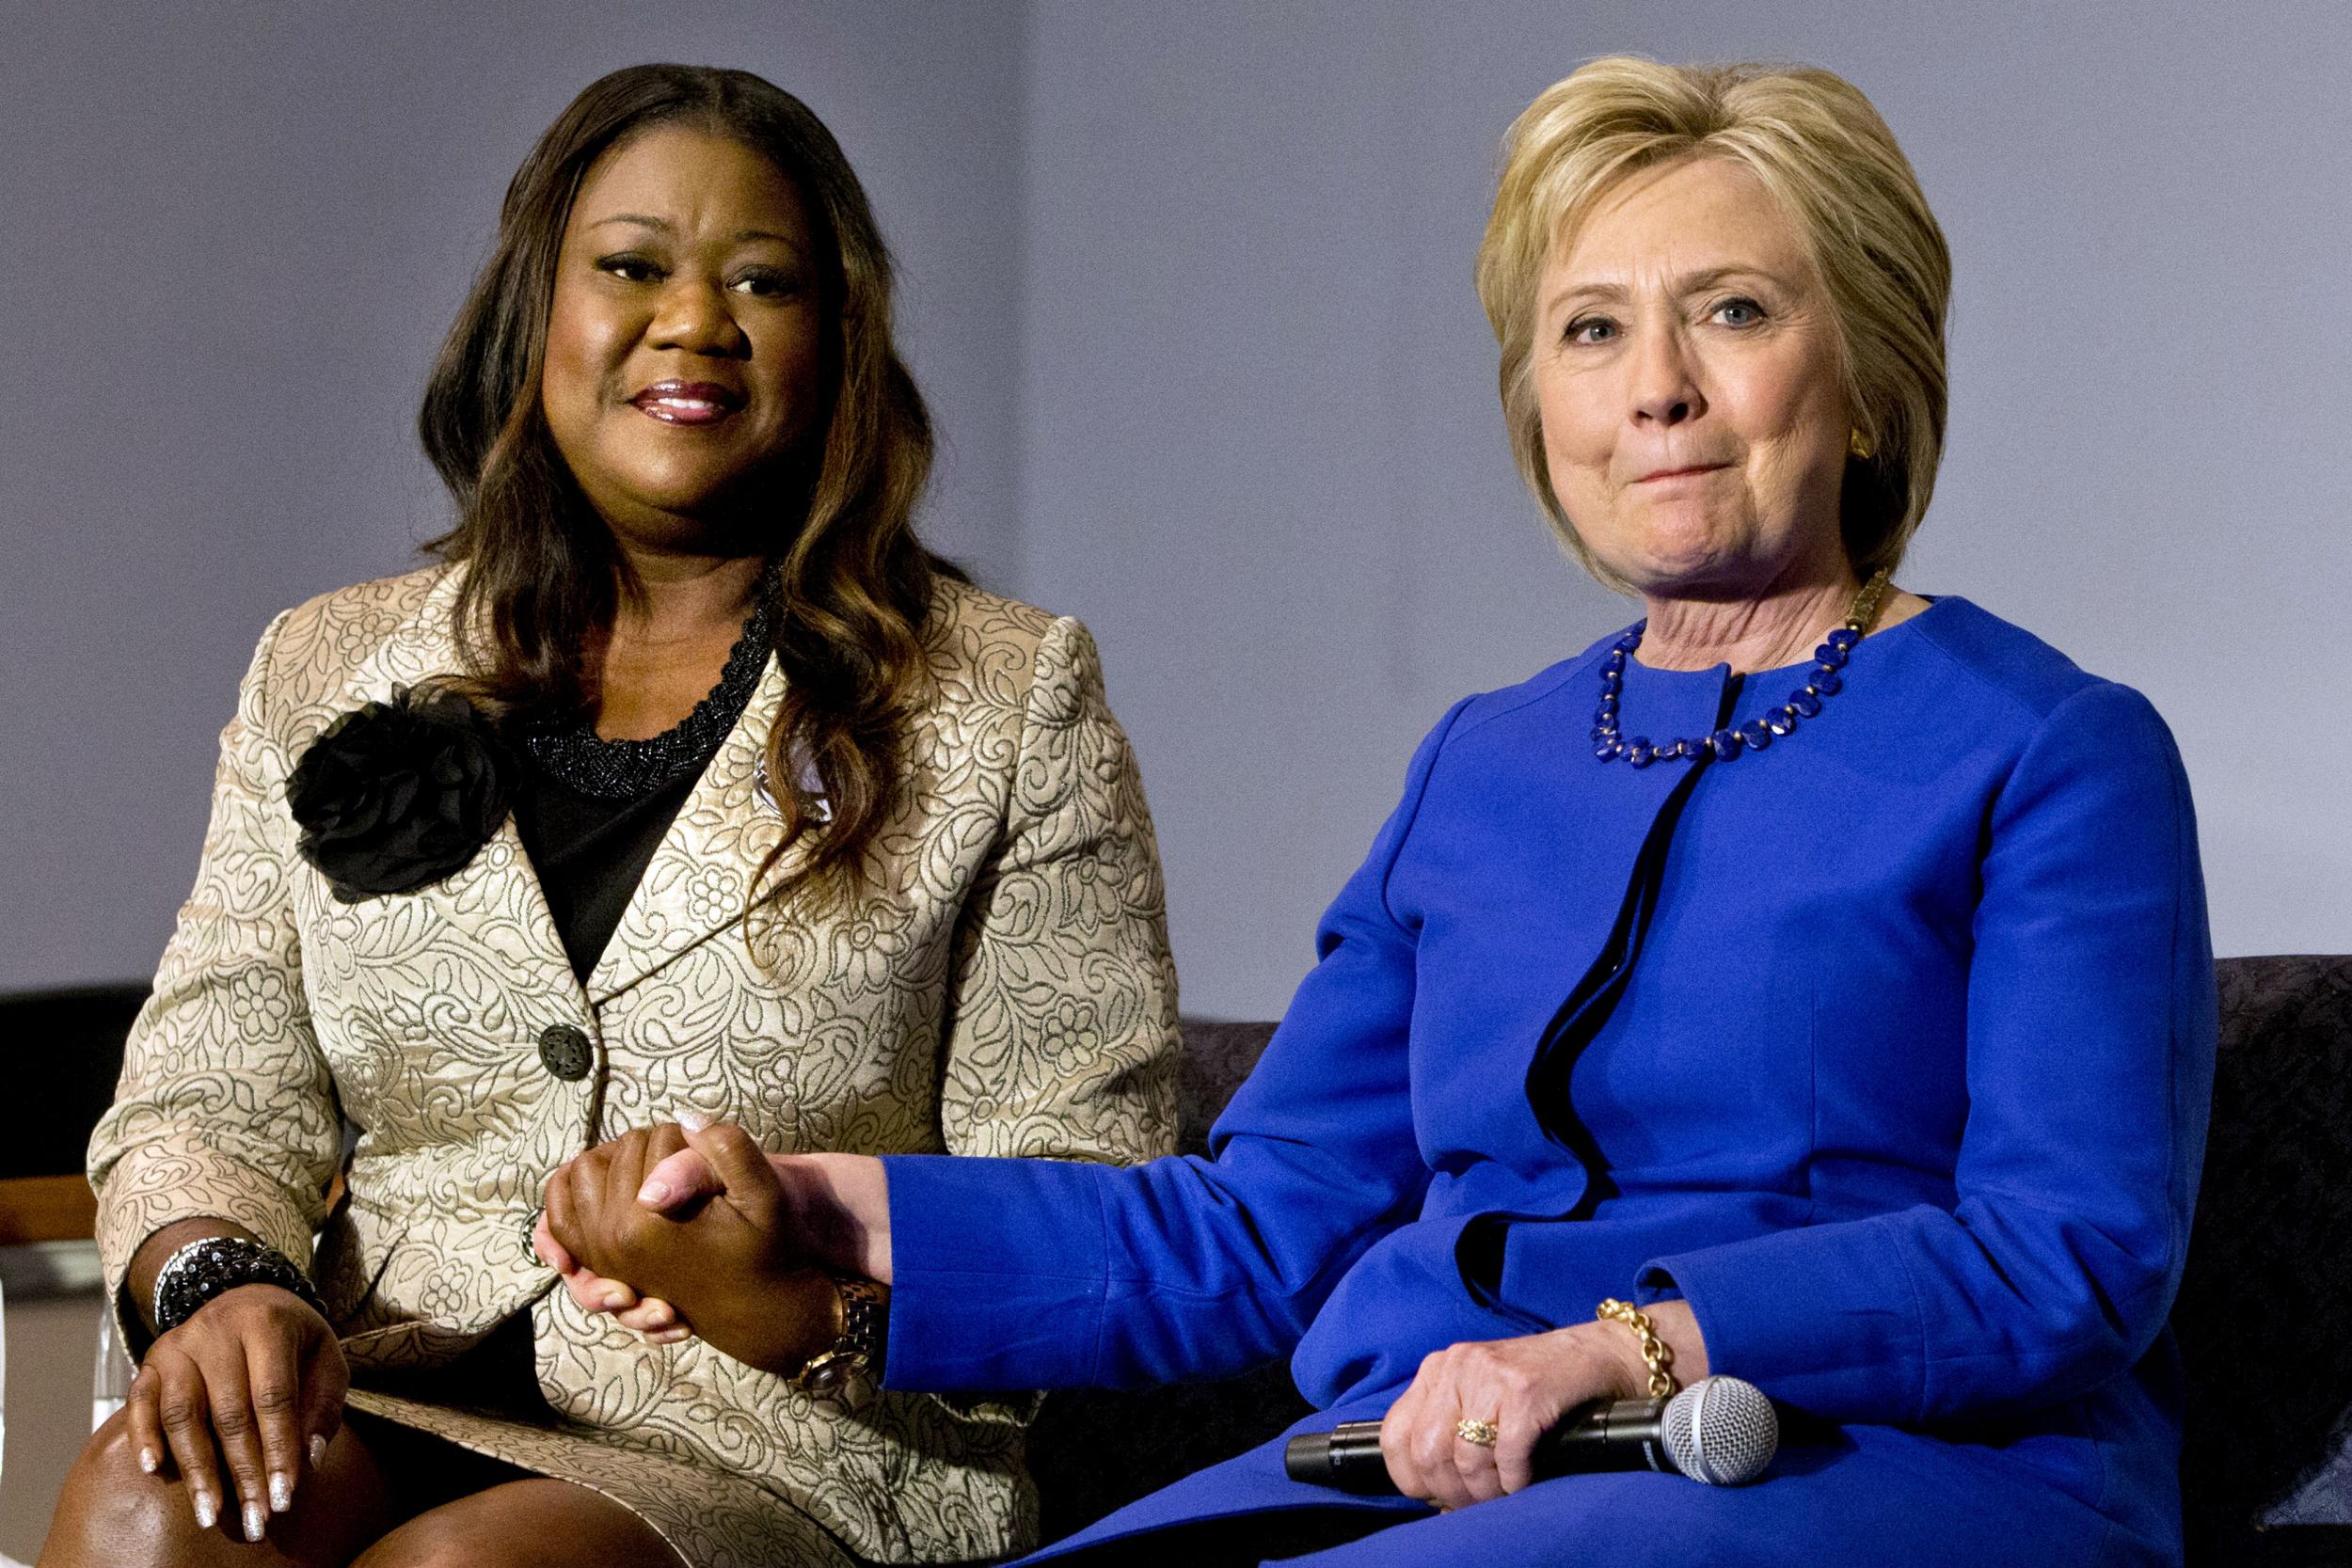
[{"x": 565, "y": 1052}]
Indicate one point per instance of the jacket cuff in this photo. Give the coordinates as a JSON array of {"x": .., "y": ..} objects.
[
  {"x": 997, "y": 1275},
  {"x": 1810, "y": 1316},
  {"x": 152, "y": 1187}
]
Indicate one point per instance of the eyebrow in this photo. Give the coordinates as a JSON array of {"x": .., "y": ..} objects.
[
  {"x": 1688, "y": 283},
  {"x": 663, "y": 225}
]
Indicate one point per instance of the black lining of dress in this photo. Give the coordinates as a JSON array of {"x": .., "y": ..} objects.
[
  {"x": 1591, "y": 1003},
  {"x": 591, "y": 813},
  {"x": 589, "y": 854}
]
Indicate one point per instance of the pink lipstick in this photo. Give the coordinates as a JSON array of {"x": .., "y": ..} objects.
[{"x": 688, "y": 402}]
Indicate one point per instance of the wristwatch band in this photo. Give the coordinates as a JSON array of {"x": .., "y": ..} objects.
[{"x": 856, "y": 1353}]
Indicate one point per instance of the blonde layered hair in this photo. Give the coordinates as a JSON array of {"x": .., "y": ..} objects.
[{"x": 1829, "y": 160}]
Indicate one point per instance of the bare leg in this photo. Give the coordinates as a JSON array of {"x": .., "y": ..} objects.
[
  {"x": 113, "y": 1515},
  {"x": 387, "y": 1498},
  {"x": 533, "y": 1523}
]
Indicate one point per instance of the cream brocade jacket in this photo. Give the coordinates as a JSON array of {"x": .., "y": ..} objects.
[{"x": 1004, "y": 987}]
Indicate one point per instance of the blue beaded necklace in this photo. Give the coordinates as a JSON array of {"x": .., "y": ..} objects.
[{"x": 1820, "y": 683}]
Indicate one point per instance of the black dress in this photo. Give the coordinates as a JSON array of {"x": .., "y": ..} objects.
[{"x": 591, "y": 811}]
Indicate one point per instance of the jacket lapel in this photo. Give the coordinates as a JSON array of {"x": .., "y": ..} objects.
[{"x": 699, "y": 881}]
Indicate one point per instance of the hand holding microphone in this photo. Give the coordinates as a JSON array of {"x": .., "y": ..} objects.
[
  {"x": 1468, "y": 1429},
  {"x": 1720, "y": 1430}
]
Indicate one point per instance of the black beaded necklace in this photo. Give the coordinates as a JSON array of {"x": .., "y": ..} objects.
[
  {"x": 575, "y": 755},
  {"x": 1822, "y": 682}
]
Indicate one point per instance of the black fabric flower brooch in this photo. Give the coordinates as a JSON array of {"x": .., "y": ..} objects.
[{"x": 395, "y": 796}]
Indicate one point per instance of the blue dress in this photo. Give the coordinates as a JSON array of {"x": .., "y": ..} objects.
[{"x": 1888, "y": 1048}]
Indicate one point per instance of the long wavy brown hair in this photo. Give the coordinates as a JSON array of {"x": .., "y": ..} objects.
[{"x": 853, "y": 584}]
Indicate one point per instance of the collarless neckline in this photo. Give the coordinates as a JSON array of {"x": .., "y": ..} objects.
[
  {"x": 569, "y": 751},
  {"x": 1717, "y": 673}
]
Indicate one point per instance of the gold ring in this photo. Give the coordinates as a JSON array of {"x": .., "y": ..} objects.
[{"x": 1480, "y": 1434}]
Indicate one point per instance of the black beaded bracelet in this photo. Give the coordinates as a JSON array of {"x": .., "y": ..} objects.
[{"x": 214, "y": 1264}]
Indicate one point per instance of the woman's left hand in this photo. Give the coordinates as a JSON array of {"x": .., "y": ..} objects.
[
  {"x": 728, "y": 1268},
  {"x": 651, "y": 1316},
  {"x": 648, "y": 1315},
  {"x": 1521, "y": 1387}
]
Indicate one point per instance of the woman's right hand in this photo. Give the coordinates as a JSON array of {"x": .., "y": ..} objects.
[
  {"x": 254, "y": 1378},
  {"x": 838, "y": 1207}
]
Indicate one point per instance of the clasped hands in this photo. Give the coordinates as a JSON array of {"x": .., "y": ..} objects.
[
  {"x": 715, "y": 1239},
  {"x": 702, "y": 1228}
]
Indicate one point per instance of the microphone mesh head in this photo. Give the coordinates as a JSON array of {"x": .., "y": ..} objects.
[{"x": 1722, "y": 1431}]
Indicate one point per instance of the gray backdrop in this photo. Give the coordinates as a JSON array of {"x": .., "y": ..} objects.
[{"x": 1189, "y": 290}]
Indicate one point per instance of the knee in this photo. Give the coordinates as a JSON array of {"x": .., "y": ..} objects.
[
  {"x": 534, "y": 1523},
  {"x": 441, "y": 1538},
  {"x": 455, "y": 1535},
  {"x": 112, "y": 1512}
]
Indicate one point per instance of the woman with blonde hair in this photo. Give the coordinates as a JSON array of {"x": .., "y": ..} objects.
[
  {"x": 687, "y": 784},
  {"x": 1808, "y": 983}
]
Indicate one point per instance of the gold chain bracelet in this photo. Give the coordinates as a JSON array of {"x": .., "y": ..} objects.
[{"x": 1656, "y": 1354}]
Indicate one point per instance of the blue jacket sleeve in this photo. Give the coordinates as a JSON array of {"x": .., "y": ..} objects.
[
  {"x": 1043, "y": 1273},
  {"x": 2090, "y": 1040}
]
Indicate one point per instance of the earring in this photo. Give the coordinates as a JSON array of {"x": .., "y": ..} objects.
[{"x": 1859, "y": 445}]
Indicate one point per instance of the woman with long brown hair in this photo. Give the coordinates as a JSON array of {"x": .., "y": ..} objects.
[{"x": 686, "y": 785}]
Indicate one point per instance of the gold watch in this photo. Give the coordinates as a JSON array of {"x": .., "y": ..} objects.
[{"x": 856, "y": 1351}]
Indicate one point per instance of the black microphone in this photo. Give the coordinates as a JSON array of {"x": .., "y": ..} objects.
[{"x": 1719, "y": 1431}]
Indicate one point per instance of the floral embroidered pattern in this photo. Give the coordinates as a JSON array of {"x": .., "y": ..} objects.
[{"x": 712, "y": 895}]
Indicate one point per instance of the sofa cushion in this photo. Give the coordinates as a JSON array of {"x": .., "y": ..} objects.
[{"x": 2264, "y": 1314}]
